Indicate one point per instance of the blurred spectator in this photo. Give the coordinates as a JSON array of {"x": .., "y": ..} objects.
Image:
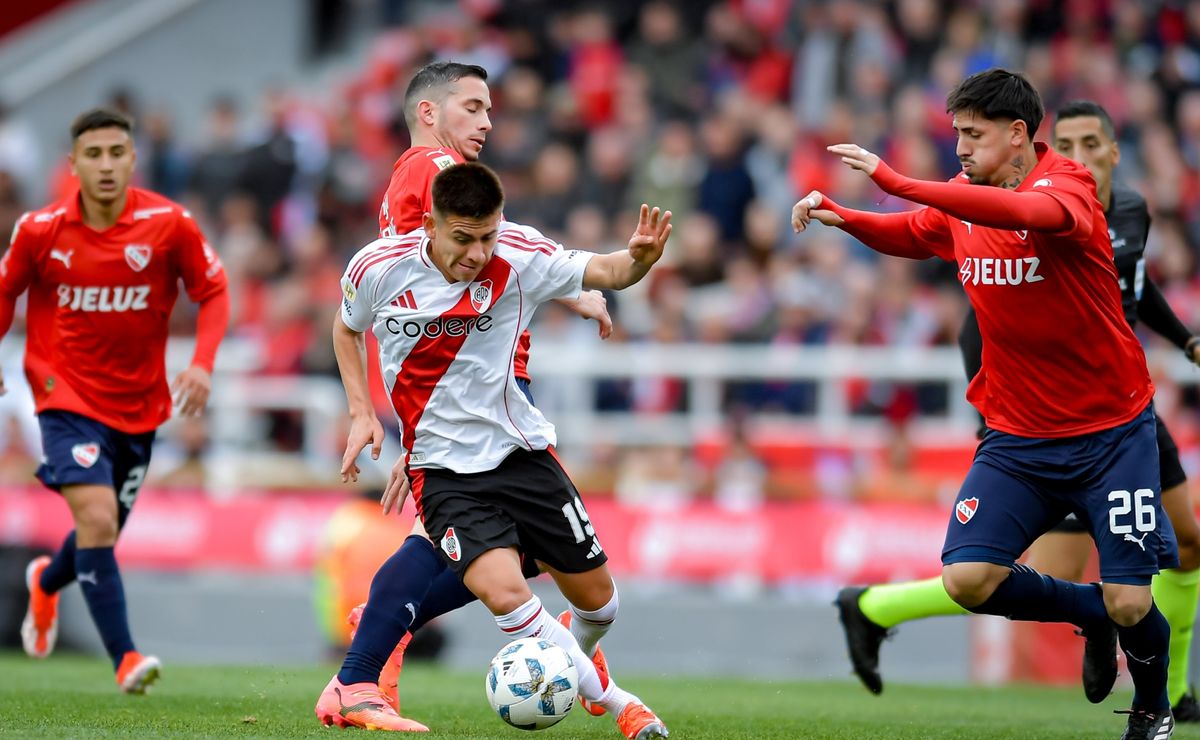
[
  {"x": 218, "y": 164},
  {"x": 18, "y": 150}
]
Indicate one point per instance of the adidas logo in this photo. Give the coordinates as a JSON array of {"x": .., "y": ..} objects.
[{"x": 405, "y": 300}]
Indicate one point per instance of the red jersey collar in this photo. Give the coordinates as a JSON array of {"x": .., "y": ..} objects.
[
  {"x": 1046, "y": 157},
  {"x": 75, "y": 210}
]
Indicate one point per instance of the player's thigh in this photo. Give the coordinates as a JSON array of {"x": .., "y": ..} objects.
[
  {"x": 131, "y": 461},
  {"x": 94, "y": 509},
  {"x": 76, "y": 450},
  {"x": 461, "y": 519},
  {"x": 1062, "y": 553},
  {"x": 418, "y": 528},
  {"x": 495, "y": 577},
  {"x": 1122, "y": 503},
  {"x": 998, "y": 513},
  {"x": 552, "y": 521},
  {"x": 589, "y": 591}
]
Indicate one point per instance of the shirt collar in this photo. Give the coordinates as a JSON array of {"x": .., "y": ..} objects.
[{"x": 75, "y": 209}]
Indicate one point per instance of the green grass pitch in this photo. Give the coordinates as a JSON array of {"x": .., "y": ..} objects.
[{"x": 75, "y": 697}]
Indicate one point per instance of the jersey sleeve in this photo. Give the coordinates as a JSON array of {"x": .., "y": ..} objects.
[
  {"x": 199, "y": 266},
  {"x": 17, "y": 264},
  {"x": 358, "y": 290},
  {"x": 552, "y": 272},
  {"x": 1075, "y": 196},
  {"x": 409, "y": 197}
]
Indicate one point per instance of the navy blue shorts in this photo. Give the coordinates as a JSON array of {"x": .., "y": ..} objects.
[
  {"x": 77, "y": 450},
  {"x": 1018, "y": 488}
]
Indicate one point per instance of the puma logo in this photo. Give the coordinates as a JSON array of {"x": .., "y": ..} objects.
[
  {"x": 64, "y": 257},
  {"x": 88, "y": 577},
  {"x": 1139, "y": 541}
]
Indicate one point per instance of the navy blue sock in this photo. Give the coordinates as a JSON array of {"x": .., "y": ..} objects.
[
  {"x": 1145, "y": 645},
  {"x": 397, "y": 590},
  {"x": 61, "y": 571},
  {"x": 445, "y": 595},
  {"x": 96, "y": 571},
  {"x": 1029, "y": 596}
]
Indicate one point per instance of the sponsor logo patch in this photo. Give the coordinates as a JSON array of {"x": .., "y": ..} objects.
[
  {"x": 966, "y": 509},
  {"x": 444, "y": 161},
  {"x": 450, "y": 545},
  {"x": 86, "y": 454}
]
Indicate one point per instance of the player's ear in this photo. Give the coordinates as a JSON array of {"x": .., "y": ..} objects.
[
  {"x": 429, "y": 223},
  {"x": 426, "y": 112},
  {"x": 1116, "y": 157},
  {"x": 1019, "y": 133},
  {"x": 71, "y": 161}
]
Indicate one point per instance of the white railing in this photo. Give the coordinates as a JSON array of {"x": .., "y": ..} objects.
[{"x": 565, "y": 378}]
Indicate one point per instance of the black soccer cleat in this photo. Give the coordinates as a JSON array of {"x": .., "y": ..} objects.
[
  {"x": 1145, "y": 725},
  {"x": 1099, "y": 661},
  {"x": 863, "y": 638},
  {"x": 1187, "y": 709}
]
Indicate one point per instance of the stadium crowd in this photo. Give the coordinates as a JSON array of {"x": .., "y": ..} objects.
[{"x": 717, "y": 109}]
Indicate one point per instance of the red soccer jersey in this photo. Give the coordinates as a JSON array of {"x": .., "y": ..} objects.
[
  {"x": 99, "y": 304},
  {"x": 410, "y": 196},
  {"x": 1059, "y": 359}
]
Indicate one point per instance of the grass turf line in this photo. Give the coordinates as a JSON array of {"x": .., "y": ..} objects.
[{"x": 69, "y": 696}]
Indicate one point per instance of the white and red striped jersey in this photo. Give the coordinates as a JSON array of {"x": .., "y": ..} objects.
[{"x": 446, "y": 349}]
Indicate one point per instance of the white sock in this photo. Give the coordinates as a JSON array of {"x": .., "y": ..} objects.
[
  {"x": 589, "y": 627},
  {"x": 531, "y": 620}
]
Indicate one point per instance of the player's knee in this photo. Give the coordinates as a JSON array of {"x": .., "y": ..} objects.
[
  {"x": 503, "y": 598},
  {"x": 597, "y": 596},
  {"x": 971, "y": 584},
  {"x": 96, "y": 527},
  {"x": 1127, "y": 605}
]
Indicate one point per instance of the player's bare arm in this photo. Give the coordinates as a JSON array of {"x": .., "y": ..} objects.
[
  {"x": 351, "y": 352},
  {"x": 619, "y": 270}
]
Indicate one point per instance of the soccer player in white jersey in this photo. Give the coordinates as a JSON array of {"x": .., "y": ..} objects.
[{"x": 448, "y": 304}]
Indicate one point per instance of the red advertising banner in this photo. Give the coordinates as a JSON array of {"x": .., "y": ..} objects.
[{"x": 778, "y": 542}]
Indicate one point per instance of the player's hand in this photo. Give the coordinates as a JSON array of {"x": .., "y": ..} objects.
[
  {"x": 809, "y": 208},
  {"x": 364, "y": 430},
  {"x": 650, "y": 237},
  {"x": 396, "y": 492},
  {"x": 591, "y": 304},
  {"x": 855, "y": 156},
  {"x": 190, "y": 390}
]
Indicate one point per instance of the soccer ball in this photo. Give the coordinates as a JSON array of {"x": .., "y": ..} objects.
[{"x": 532, "y": 683}]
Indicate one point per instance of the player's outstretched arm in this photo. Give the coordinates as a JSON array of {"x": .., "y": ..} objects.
[
  {"x": 351, "y": 352},
  {"x": 619, "y": 270},
  {"x": 1000, "y": 209},
  {"x": 888, "y": 233}
]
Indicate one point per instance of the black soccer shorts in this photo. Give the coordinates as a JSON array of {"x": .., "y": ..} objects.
[{"x": 526, "y": 502}]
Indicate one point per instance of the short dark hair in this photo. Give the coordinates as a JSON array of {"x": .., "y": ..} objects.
[
  {"x": 1087, "y": 109},
  {"x": 469, "y": 190},
  {"x": 433, "y": 78},
  {"x": 100, "y": 118},
  {"x": 997, "y": 94}
]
